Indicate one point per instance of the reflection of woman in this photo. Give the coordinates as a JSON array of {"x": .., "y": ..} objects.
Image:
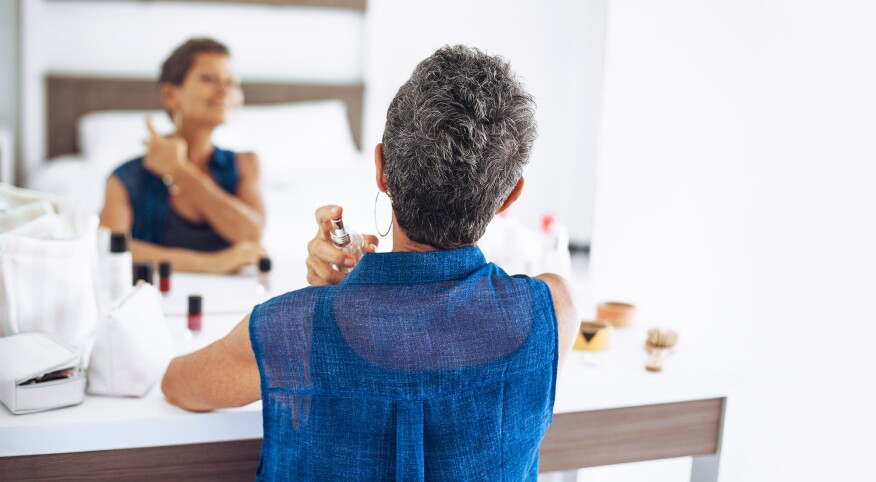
[
  {"x": 426, "y": 362},
  {"x": 187, "y": 201}
]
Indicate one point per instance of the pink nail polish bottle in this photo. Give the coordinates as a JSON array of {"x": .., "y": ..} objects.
[{"x": 194, "y": 317}]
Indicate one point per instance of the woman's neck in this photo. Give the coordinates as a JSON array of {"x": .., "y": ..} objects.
[
  {"x": 401, "y": 242},
  {"x": 200, "y": 145}
]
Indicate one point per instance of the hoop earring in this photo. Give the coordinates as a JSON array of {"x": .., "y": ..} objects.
[{"x": 384, "y": 233}]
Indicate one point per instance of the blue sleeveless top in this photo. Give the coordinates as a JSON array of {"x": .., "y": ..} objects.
[
  {"x": 417, "y": 366},
  {"x": 153, "y": 219}
]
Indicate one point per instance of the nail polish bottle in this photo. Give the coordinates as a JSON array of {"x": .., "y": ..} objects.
[
  {"x": 194, "y": 317},
  {"x": 264, "y": 275},
  {"x": 164, "y": 277},
  {"x": 143, "y": 270},
  {"x": 350, "y": 242}
]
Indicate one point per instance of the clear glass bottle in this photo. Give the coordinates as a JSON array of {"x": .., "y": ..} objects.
[
  {"x": 116, "y": 265},
  {"x": 556, "y": 257},
  {"x": 350, "y": 242},
  {"x": 264, "y": 277}
]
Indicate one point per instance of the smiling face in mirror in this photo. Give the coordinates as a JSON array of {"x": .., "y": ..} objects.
[{"x": 208, "y": 95}]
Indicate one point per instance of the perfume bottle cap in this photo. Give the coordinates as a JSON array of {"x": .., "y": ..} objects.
[
  {"x": 195, "y": 304},
  {"x": 339, "y": 234},
  {"x": 164, "y": 269},
  {"x": 118, "y": 242},
  {"x": 264, "y": 265}
]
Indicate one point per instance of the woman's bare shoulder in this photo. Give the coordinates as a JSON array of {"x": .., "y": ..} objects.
[{"x": 247, "y": 161}]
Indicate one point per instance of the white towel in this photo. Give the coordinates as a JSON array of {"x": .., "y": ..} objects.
[{"x": 47, "y": 275}]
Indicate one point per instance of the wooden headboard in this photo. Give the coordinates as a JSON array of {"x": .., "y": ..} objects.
[{"x": 70, "y": 97}]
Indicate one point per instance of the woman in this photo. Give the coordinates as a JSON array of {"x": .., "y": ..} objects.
[
  {"x": 426, "y": 362},
  {"x": 187, "y": 201}
]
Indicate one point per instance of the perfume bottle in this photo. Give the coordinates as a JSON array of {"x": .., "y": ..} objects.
[
  {"x": 556, "y": 257},
  {"x": 117, "y": 265},
  {"x": 350, "y": 242}
]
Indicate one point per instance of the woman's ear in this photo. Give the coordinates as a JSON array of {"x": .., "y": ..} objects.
[
  {"x": 169, "y": 93},
  {"x": 515, "y": 193},
  {"x": 378, "y": 164}
]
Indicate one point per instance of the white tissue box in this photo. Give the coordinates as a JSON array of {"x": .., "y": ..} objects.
[{"x": 25, "y": 359}]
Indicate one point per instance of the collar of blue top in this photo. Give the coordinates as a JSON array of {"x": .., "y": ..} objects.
[{"x": 417, "y": 267}]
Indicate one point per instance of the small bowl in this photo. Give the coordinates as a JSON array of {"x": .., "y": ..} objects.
[
  {"x": 592, "y": 336},
  {"x": 620, "y": 315}
]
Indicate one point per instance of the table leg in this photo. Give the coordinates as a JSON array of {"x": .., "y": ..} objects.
[
  {"x": 705, "y": 468},
  {"x": 570, "y": 476}
]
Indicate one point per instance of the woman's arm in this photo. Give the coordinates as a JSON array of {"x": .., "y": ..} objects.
[
  {"x": 224, "y": 374},
  {"x": 228, "y": 260},
  {"x": 117, "y": 215},
  {"x": 239, "y": 217},
  {"x": 567, "y": 315}
]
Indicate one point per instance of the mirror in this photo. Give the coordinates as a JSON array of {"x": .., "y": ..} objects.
[{"x": 555, "y": 50}]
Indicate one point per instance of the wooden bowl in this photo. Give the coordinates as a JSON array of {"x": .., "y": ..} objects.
[{"x": 620, "y": 315}]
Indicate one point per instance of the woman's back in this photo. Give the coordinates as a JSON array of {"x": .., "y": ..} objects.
[{"x": 432, "y": 365}]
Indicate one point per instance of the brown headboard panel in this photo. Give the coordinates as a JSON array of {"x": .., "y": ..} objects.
[{"x": 70, "y": 97}]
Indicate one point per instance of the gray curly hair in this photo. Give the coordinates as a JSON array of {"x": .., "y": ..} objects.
[{"x": 457, "y": 136}]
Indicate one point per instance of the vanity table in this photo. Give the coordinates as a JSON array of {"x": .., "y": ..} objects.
[{"x": 608, "y": 410}]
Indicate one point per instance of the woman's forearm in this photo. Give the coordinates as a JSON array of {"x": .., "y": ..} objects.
[
  {"x": 181, "y": 259},
  {"x": 232, "y": 218}
]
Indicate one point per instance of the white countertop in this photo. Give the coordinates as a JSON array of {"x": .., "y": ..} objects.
[
  {"x": 233, "y": 293},
  {"x": 590, "y": 381}
]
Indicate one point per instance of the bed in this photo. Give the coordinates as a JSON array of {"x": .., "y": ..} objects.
[{"x": 307, "y": 136}]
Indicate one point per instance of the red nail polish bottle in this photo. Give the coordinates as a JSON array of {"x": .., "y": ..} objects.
[
  {"x": 164, "y": 277},
  {"x": 194, "y": 313}
]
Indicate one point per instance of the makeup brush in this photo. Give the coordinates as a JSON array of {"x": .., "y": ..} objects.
[{"x": 659, "y": 344}]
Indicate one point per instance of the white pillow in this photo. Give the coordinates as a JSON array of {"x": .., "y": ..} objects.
[
  {"x": 290, "y": 208},
  {"x": 74, "y": 178},
  {"x": 109, "y": 138},
  {"x": 293, "y": 141}
]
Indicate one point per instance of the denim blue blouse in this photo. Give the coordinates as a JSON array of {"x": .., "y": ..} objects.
[
  {"x": 417, "y": 366},
  {"x": 153, "y": 219}
]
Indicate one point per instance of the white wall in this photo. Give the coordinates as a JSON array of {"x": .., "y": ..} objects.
[
  {"x": 555, "y": 47},
  {"x": 734, "y": 201},
  {"x": 9, "y": 21}
]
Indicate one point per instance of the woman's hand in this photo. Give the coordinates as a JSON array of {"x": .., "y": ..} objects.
[
  {"x": 164, "y": 155},
  {"x": 321, "y": 253},
  {"x": 231, "y": 259}
]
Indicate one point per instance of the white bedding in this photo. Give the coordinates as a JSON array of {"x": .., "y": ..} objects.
[{"x": 289, "y": 205}]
